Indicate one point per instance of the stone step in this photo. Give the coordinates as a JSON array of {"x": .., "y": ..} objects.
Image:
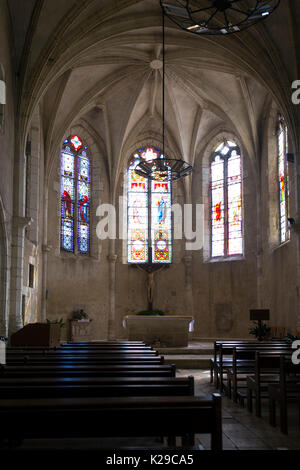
[
  {"x": 189, "y": 361},
  {"x": 194, "y": 351}
]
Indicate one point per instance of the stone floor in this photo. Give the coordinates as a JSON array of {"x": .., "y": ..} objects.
[{"x": 243, "y": 430}]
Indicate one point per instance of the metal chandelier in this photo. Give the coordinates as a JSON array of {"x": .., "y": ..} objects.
[{"x": 217, "y": 16}]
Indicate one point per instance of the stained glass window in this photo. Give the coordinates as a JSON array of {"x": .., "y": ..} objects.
[
  {"x": 226, "y": 201},
  {"x": 149, "y": 214},
  {"x": 283, "y": 181},
  {"x": 75, "y": 196}
]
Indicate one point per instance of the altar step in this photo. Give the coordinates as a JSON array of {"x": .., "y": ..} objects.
[{"x": 196, "y": 356}]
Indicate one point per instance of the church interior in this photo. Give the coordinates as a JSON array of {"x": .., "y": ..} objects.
[{"x": 149, "y": 213}]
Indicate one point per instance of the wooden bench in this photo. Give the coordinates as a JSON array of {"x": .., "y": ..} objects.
[
  {"x": 80, "y": 352},
  {"x": 88, "y": 370},
  {"x": 267, "y": 370},
  {"x": 243, "y": 364},
  {"x": 114, "y": 342},
  {"x": 221, "y": 364},
  {"x": 222, "y": 347},
  {"x": 97, "y": 417},
  {"x": 106, "y": 388},
  {"x": 77, "y": 360},
  {"x": 288, "y": 389}
]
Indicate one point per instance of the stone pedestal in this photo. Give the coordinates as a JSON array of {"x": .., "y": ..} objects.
[
  {"x": 80, "y": 330},
  {"x": 161, "y": 331}
]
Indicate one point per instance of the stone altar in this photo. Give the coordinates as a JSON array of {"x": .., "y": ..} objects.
[{"x": 163, "y": 331}]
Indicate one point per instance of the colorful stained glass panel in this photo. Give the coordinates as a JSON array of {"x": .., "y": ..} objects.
[
  {"x": 67, "y": 200},
  {"x": 161, "y": 221},
  {"x": 283, "y": 182},
  {"x": 149, "y": 214},
  {"x": 217, "y": 204},
  {"x": 137, "y": 195},
  {"x": 234, "y": 196},
  {"x": 83, "y": 206}
]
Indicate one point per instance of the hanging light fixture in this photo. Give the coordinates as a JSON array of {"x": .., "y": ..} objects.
[
  {"x": 217, "y": 16},
  {"x": 163, "y": 168}
]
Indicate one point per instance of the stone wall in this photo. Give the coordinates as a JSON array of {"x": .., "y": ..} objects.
[{"x": 7, "y": 145}]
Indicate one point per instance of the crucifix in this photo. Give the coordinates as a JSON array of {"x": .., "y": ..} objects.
[{"x": 150, "y": 269}]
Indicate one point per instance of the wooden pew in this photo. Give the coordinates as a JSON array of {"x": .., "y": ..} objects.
[
  {"x": 222, "y": 364},
  {"x": 80, "y": 352},
  {"x": 105, "y": 346},
  {"x": 113, "y": 342},
  {"x": 243, "y": 364},
  {"x": 115, "y": 387},
  {"x": 77, "y": 360},
  {"x": 267, "y": 369},
  {"x": 88, "y": 370},
  {"x": 288, "y": 389},
  {"x": 222, "y": 348},
  {"x": 135, "y": 416}
]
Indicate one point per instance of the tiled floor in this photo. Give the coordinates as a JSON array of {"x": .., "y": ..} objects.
[{"x": 243, "y": 430}]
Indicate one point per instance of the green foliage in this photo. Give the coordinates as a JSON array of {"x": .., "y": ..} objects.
[
  {"x": 59, "y": 321},
  {"x": 265, "y": 330},
  {"x": 155, "y": 311}
]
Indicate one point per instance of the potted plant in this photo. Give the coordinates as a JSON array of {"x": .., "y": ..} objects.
[
  {"x": 80, "y": 315},
  {"x": 260, "y": 332},
  {"x": 59, "y": 322}
]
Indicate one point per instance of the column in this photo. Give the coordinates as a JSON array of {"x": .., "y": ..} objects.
[
  {"x": 17, "y": 265},
  {"x": 112, "y": 258}
]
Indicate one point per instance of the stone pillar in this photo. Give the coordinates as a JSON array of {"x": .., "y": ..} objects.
[
  {"x": 17, "y": 265},
  {"x": 259, "y": 252},
  {"x": 188, "y": 262},
  {"x": 4, "y": 275},
  {"x": 112, "y": 258},
  {"x": 32, "y": 185},
  {"x": 43, "y": 313}
]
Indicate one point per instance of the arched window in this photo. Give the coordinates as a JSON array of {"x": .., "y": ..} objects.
[
  {"x": 149, "y": 214},
  {"x": 226, "y": 201},
  {"x": 283, "y": 180},
  {"x": 75, "y": 196}
]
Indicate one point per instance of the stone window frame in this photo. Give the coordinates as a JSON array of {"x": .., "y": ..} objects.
[
  {"x": 97, "y": 169},
  {"x": 281, "y": 120},
  {"x": 178, "y": 197},
  {"x": 206, "y": 192}
]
